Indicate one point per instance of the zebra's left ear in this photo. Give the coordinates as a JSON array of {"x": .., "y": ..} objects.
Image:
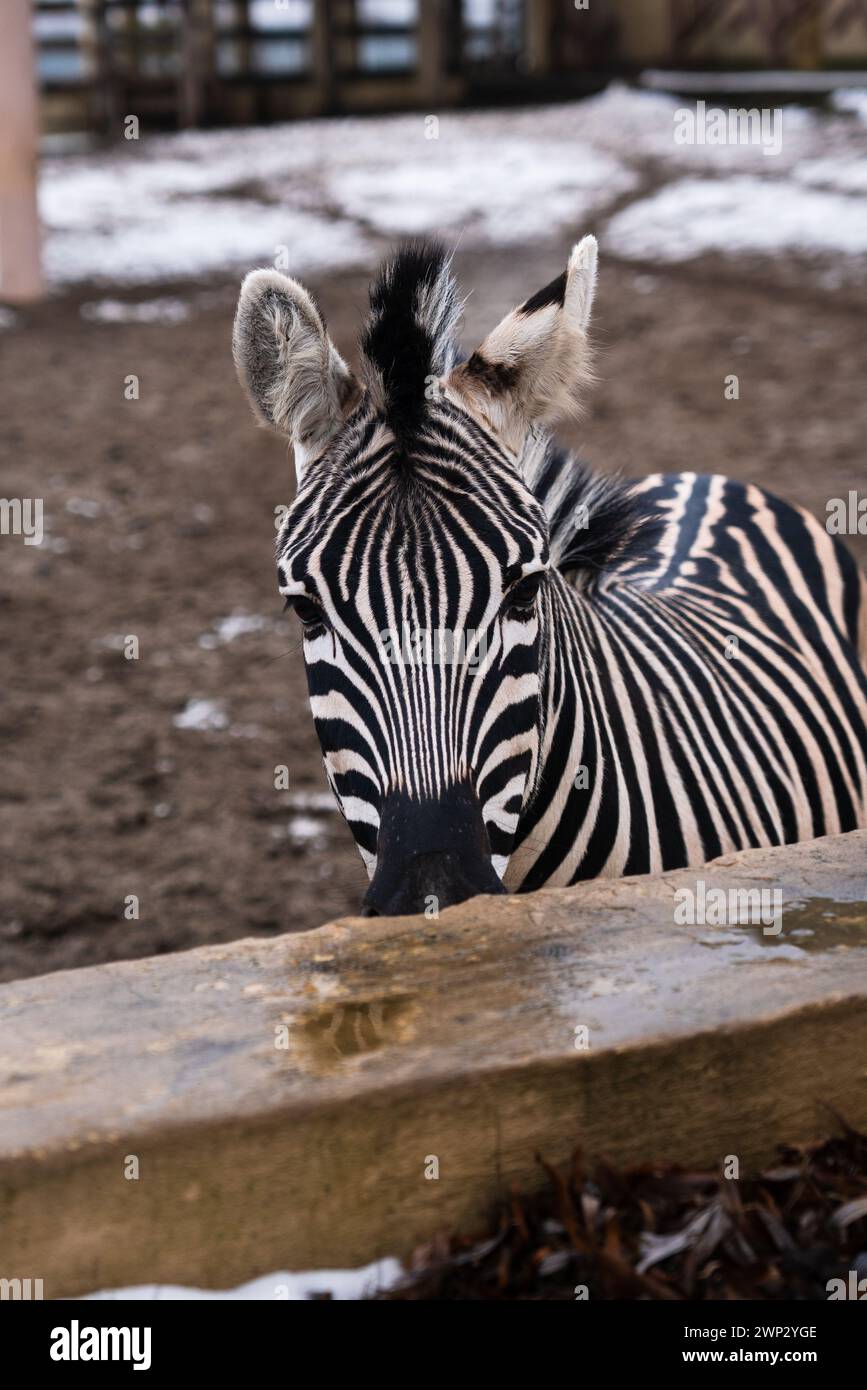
[
  {"x": 296, "y": 379},
  {"x": 531, "y": 368}
]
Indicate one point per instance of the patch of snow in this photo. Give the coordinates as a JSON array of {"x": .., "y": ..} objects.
[
  {"x": 846, "y": 175},
  {"x": 851, "y": 99},
  {"x": 338, "y": 1284},
  {"x": 112, "y": 642},
  {"x": 195, "y": 237},
  {"x": 322, "y": 194},
  {"x": 743, "y": 214},
  {"x": 202, "y": 201},
  {"x": 229, "y": 629},
  {"x": 83, "y": 506},
  {"x": 638, "y": 125},
  {"x": 204, "y": 715},
  {"x": 452, "y": 185},
  {"x": 303, "y": 829},
  {"x": 312, "y": 801},
  {"x": 165, "y": 310},
  {"x": 8, "y": 318}
]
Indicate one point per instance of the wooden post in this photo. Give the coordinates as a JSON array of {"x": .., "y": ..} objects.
[
  {"x": 537, "y": 37},
  {"x": 243, "y": 47},
  {"x": 431, "y": 52},
  {"x": 198, "y": 57},
  {"x": 20, "y": 267},
  {"x": 88, "y": 43},
  {"x": 92, "y": 50},
  {"x": 322, "y": 54},
  {"x": 805, "y": 39}
]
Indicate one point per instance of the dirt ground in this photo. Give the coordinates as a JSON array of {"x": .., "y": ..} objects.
[{"x": 160, "y": 525}]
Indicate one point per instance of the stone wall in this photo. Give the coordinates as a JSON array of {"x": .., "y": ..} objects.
[{"x": 205, "y": 1117}]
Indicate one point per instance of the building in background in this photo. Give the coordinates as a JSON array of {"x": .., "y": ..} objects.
[{"x": 192, "y": 62}]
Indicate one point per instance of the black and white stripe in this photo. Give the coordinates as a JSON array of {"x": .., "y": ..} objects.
[
  {"x": 696, "y": 744},
  {"x": 381, "y": 549}
]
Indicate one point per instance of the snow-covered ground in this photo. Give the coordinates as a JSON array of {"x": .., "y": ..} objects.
[
  {"x": 338, "y": 1284},
  {"x": 744, "y": 213},
  {"x": 321, "y": 195}
]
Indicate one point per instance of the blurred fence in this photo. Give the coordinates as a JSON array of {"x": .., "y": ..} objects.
[{"x": 186, "y": 62}]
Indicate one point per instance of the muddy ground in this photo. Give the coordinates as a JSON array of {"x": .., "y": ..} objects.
[{"x": 160, "y": 525}]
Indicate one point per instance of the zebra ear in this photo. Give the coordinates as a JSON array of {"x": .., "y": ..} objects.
[
  {"x": 294, "y": 376},
  {"x": 531, "y": 368}
]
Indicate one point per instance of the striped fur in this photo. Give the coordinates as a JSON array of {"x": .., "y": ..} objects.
[
  {"x": 696, "y": 744},
  {"x": 429, "y": 547},
  {"x": 689, "y": 678}
]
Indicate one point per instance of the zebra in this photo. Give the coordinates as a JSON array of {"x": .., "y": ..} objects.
[{"x": 651, "y": 674}]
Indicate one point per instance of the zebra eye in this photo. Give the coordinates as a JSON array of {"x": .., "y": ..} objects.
[
  {"x": 521, "y": 598},
  {"x": 310, "y": 613}
]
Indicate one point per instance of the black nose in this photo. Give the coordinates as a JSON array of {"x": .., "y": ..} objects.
[
  {"x": 430, "y": 855},
  {"x": 429, "y": 882}
]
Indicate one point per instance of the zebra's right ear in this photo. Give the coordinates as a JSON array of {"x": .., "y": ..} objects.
[{"x": 294, "y": 376}]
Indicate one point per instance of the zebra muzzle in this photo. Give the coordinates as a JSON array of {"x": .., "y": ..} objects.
[{"x": 430, "y": 855}]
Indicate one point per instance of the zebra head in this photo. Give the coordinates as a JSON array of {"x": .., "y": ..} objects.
[{"x": 416, "y": 556}]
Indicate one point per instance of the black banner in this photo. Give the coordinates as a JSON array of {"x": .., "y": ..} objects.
[{"x": 224, "y": 1336}]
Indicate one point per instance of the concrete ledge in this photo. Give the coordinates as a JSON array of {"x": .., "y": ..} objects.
[{"x": 283, "y": 1098}]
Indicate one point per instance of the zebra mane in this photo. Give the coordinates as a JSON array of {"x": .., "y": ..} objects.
[
  {"x": 410, "y": 331},
  {"x": 596, "y": 522}
]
